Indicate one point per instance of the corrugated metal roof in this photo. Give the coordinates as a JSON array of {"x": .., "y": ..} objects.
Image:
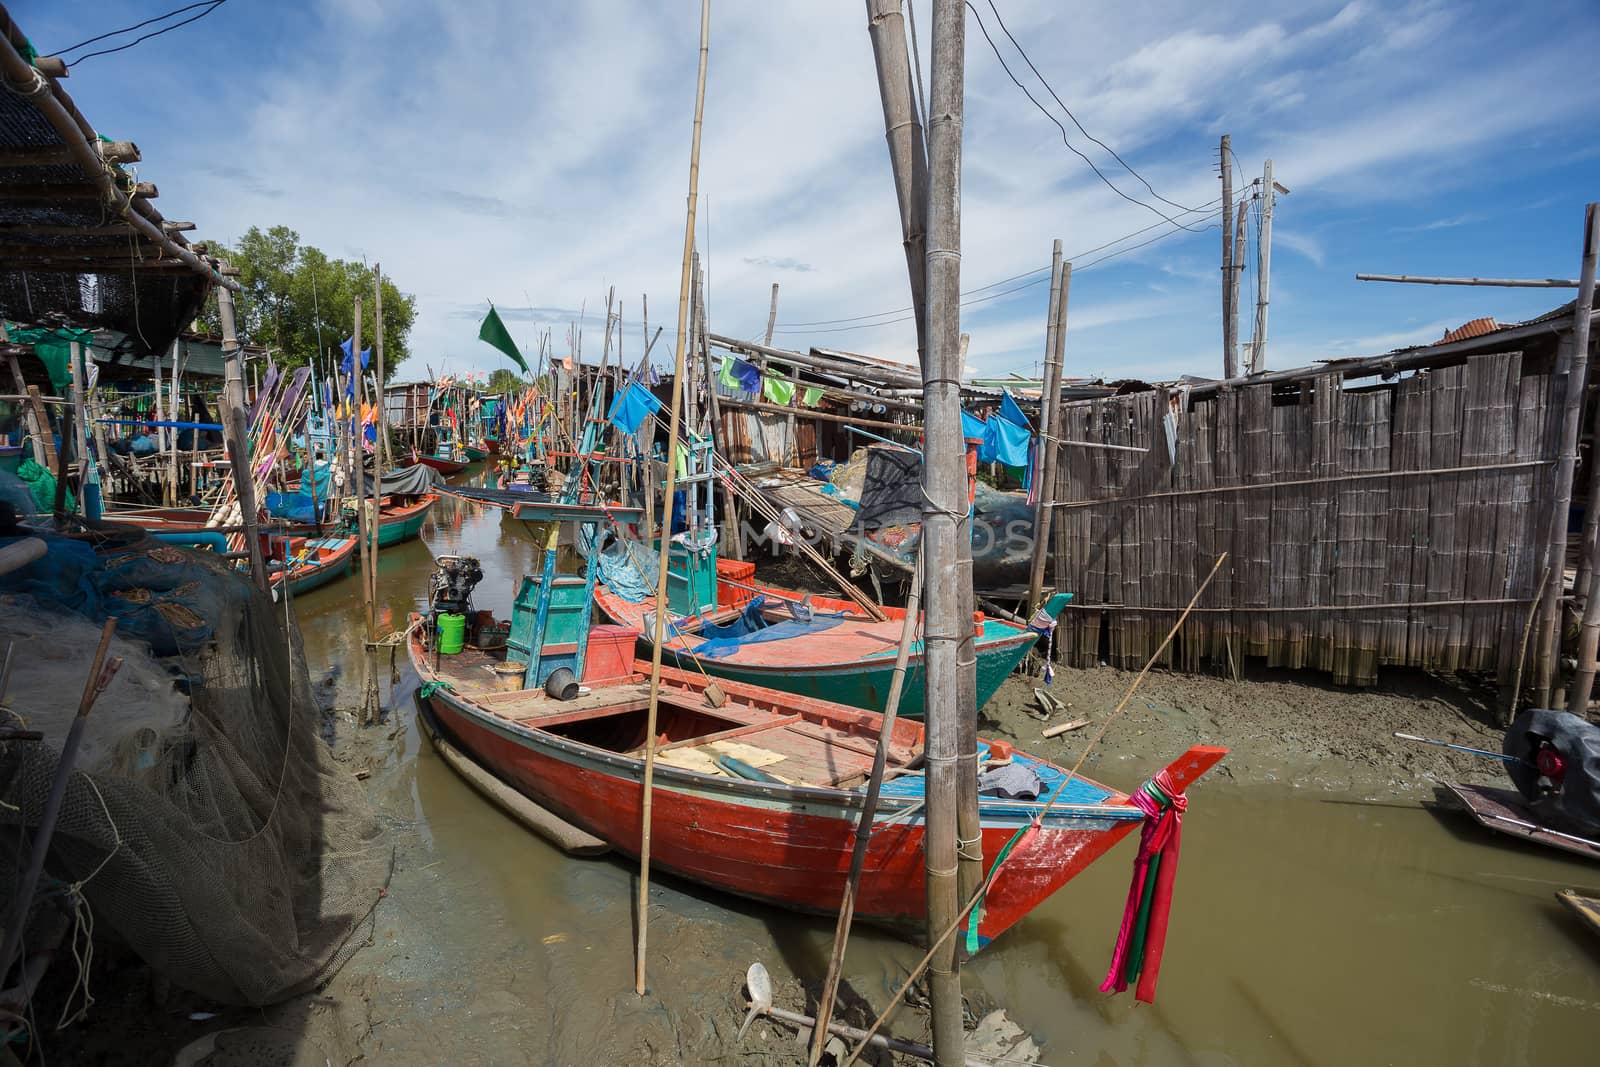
[{"x": 1475, "y": 328}]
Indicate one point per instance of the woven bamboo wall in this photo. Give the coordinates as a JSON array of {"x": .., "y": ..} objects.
[{"x": 1335, "y": 562}]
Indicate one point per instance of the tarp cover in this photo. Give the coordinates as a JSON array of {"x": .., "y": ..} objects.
[
  {"x": 752, "y": 627},
  {"x": 1575, "y": 806}
]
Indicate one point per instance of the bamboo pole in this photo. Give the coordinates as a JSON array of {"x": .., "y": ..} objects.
[
  {"x": 643, "y": 916},
  {"x": 944, "y": 486},
  {"x": 1572, "y": 363},
  {"x": 1239, "y": 232},
  {"x": 908, "y": 159},
  {"x": 234, "y": 434},
  {"x": 1589, "y": 639},
  {"x": 381, "y": 400},
  {"x": 869, "y": 811},
  {"x": 772, "y": 314},
  {"x": 1049, "y": 401}
]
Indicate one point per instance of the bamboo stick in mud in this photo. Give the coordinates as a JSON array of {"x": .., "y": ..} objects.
[{"x": 642, "y": 916}]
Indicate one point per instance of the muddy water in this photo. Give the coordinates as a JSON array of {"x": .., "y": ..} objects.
[{"x": 1310, "y": 927}]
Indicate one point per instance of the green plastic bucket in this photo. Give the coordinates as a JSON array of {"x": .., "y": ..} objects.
[{"x": 452, "y": 633}]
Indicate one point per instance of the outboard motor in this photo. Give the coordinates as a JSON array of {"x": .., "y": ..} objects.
[{"x": 454, "y": 578}]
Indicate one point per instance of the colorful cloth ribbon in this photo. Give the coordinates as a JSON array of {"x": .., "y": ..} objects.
[{"x": 1143, "y": 936}]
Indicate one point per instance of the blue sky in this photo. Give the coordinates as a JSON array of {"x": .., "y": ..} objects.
[{"x": 536, "y": 153}]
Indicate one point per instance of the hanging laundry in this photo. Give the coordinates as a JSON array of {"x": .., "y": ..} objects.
[
  {"x": 972, "y": 429},
  {"x": 1012, "y": 412},
  {"x": 812, "y": 396},
  {"x": 777, "y": 390}
]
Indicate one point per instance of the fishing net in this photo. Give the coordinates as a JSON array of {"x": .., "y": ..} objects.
[{"x": 206, "y": 824}]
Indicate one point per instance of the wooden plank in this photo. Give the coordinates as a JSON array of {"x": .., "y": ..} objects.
[{"x": 1529, "y": 530}]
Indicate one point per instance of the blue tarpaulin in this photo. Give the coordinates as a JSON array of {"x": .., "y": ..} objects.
[
  {"x": 972, "y": 428},
  {"x": 752, "y": 627},
  {"x": 1011, "y": 412},
  {"x": 1005, "y": 442}
]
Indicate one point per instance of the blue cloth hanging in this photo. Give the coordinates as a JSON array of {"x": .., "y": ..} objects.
[
  {"x": 631, "y": 407},
  {"x": 972, "y": 428},
  {"x": 1005, "y": 442},
  {"x": 1011, "y": 412}
]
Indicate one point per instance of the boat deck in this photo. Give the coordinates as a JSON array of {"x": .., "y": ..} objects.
[{"x": 785, "y": 738}]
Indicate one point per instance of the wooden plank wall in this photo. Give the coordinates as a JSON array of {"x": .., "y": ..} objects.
[{"x": 1334, "y": 564}]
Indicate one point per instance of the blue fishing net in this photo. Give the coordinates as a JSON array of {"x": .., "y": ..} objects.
[{"x": 157, "y": 593}]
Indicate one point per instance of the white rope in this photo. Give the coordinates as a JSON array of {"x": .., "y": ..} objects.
[{"x": 83, "y": 923}]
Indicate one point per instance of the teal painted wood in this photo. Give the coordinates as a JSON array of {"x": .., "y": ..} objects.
[
  {"x": 865, "y": 683},
  {"x": 394, "y": 532},
  {"x": 476, "y": 455},
  {"x": 321, "y": 576}
]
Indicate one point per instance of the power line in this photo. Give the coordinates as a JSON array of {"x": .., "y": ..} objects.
[
  {"x": 1070, "y": 146},
  {"x": 797, "y": 327},
  {"x": 1021, "y": 52},
  {"x": 209, "y": 5}
]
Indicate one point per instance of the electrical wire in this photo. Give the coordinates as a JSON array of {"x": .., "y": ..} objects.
[
  {"x": 901, "y": 313},
  {"x": 1021, "y": 52},
  {"x": 1026, "y": 285},
  {"x": 209, "y": 5},
  {"x": 1064, "y": 140}
]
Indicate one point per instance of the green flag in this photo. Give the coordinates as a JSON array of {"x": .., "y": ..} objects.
[
  {"x": 725, "y": 375},
  {"x": 777, "y": 390},
  {"x": 495, "y": 333},
  {"x": 812, "y": 396}
]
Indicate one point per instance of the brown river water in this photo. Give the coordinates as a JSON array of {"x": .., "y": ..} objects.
[{"x": 1310, "y": 927}]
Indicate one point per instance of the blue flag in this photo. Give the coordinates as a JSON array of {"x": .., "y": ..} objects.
[
  {"x": 348, "y": 367},
  {"x": 972, "y": 428},
  {"x": 631, "y": 407},
  {"x": 1011, "y": 412},
  {"x": 1005, "y": 442}
]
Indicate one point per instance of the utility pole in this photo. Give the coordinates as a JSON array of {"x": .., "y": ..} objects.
[
  {"x": 1269, "y": 194},
  {"x": 1232, "y": 310},
  {"x": 944, "y": 488},
  {"x": 1230, "y": 350}
]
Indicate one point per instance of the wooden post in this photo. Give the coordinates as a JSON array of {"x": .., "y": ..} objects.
[
  {"x": 869, "y": 811},
  {"x": 235, "y": 435},
  {"x": 381, "y": 399},
  {"x": 1258, "y": 345},
  {"x": 1238, "y": 269},
  {"x": 908, "y": 157},
  {"x": 1230, "y": 351},
  {"x": 772, "y": 313},
  {"x": 1049, "y": 400},
  {"x": 944, "y": 487},
  {"x": 1589, "y": 639},
  {"x": 643, "y": 911},
  {"x": 80, "y": 415}
]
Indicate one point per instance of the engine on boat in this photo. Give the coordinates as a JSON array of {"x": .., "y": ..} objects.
[{"x": 454, "y": 579}]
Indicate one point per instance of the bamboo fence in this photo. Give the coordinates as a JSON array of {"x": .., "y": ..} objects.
[{"x": 1391, "y": 524}]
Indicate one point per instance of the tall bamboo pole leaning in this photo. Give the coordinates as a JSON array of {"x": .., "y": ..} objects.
[
  {"x": 908, "y": 157},
  {"x": 772, "y": 313},
  {"x": 1571, "y": 370},
  {"x": 1589, "y": 640},
  {"x": 1049, "y": 399},
  {"x": 869, "y": 811},
  {"x": 381, "y": 400},
  {"x": 673, "y": 424},
  {"x": 730, "y": 506},
  {"x": 944, "y": 487},
  {"x": 1230, "y": 350},
  {"x": 234, "y": 435},
  {"x": 380, "y": 463}
]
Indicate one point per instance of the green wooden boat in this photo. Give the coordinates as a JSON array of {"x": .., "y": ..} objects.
[
  {"x": 397, "y": 520},
  {"x": 849, "y": 663},
  {"x": 475, "y": 455},
  {"x": 311, "y": 563}
]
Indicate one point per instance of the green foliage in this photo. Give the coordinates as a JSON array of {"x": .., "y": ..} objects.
[
  {"x": 505, "y": 381},
  {"x": 289, "y": 290}
]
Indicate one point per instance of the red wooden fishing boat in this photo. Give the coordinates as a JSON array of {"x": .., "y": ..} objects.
[
  {"x": 782, "y": 835},
  {"x": 442, "y": 464}
]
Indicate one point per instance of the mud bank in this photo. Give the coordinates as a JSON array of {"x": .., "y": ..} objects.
[{"x": 1285, "y": 729}]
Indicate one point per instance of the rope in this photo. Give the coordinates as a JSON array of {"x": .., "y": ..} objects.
[
  {"x": 83, "y": 922},
  {"x": 1033, "y": 825}
]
